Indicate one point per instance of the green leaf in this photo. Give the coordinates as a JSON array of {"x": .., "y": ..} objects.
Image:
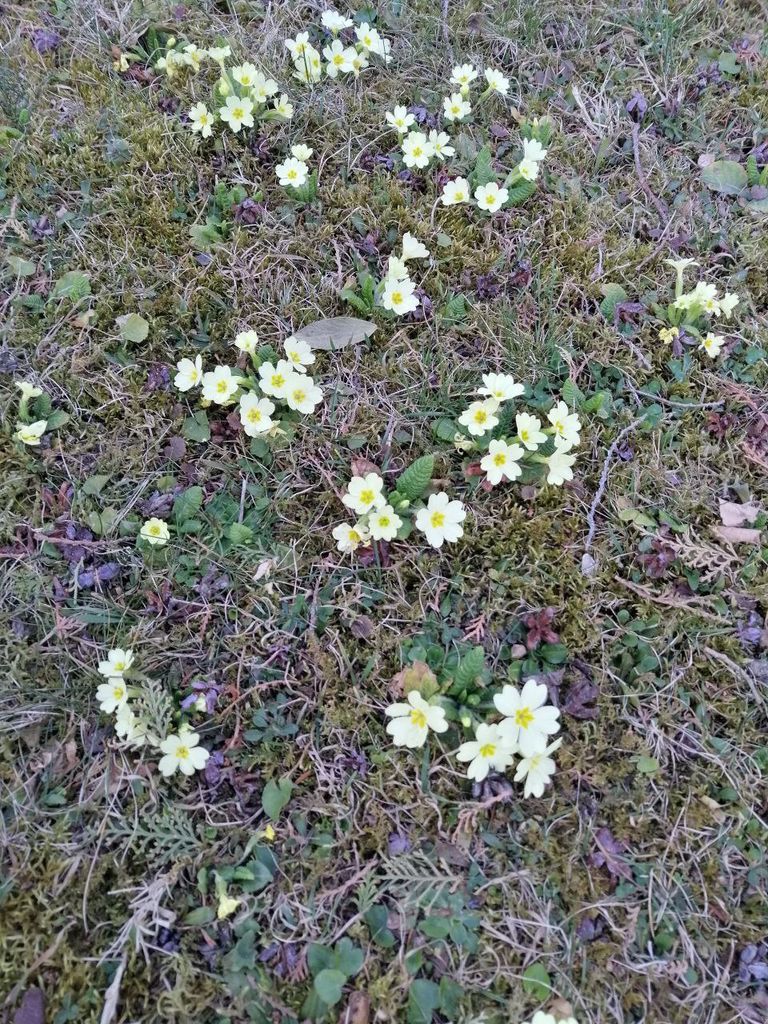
[
  {"x": 318, "y": 958},
  {"x": 57, "y": 419},
  {"x": 573, "y": 396},
  {"x": 196, "y": 427},
  {"x": 483, "y": 172},
  {"x": 423, "y": 1000},
  {"x": 95, "y": 484},
  {"x": 132, "y": 327},
  {"x": 348, "y": 957},
  {"x": 537, "y": 982},
  {"x": 376, "y": 918},
  {"x": 727, "y": 62},
  {"x": 647, "y": 765},
  {"x": 200, "y": 915},
  {"x": 753, "y": 173},
  {"x": 444, "y": 429},
  {"x": 414, "y": 481},
  {"x": 187, "y": 504},
  {"x": 454, "y": 310},
  {"x": 20, "y": 266},
  {"x": 329, "y": 985},
  {"x": 520, "y": 192},
  {"x": 634, "y": 515},
  {"x": 725, "y": 176},
  {"x": 73, "y": 285},
  {"x": 470, "y": 667},
  {"x": 614, "y": 294},
  {"x": 239, "y": 533},
  {"x": 275, "y": 796}
]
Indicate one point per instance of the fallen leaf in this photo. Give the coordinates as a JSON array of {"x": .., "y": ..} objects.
[
  {"x": 338, "y": 332},
  {"x": 733, "y": 513},
  {"x": 609, "y": 855},
  {"x": 737, "y": 535},
  {"x": 361, "y": 467},
  {"x": 418, "y": 676},
  {"x": 358, "y": 1009}
]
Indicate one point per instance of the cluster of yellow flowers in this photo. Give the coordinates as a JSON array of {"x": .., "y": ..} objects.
[
  {"x": 338, "y": 57},
  {"x": 509, "y": 444},
  {"x": 28, "y": 429},
  {"x": 690, "y": 312},
  {"x": 181, "y": 751}
]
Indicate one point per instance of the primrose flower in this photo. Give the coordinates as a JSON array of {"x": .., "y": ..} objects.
[
  {"x": 155, "y": 532},
  {"x": 490, "y": 197},
  {"x": 455, "y": 192},
  {"x": 30, "y": 433},
  {"x": 441, "y": 144},
  {"x": 384, "y": 523},
  {"x": 502, "y": 461},
  {"x": 364, "y": 493},
  {"x": 413, "y": 249},
  {"x": 463, "y": 75},
  {"x": 201, "y": 120},
  {"x": 441, "y": 520},
  {"x": 368, "y": 37},
  {"x": 400, "y": 119},
  {"x": 668, "y": 334},
  {"x": 237, "y": 111},
  {"x": 219, "y": 53},
  {"x": 533, "y": 150},
  {"x": 247, "y": 341},
  {"x": 226, "y": 907},
  {"x": 727, "y": 304},
  {"x": 680, "y": 265},
  {"x": 528, "y": 169},
  {"x": 193, "y": 56},
  {"x": 275, "y": 380},
  {"x": 456, "y": 108},
  {"x": 112, "y": 695},
  {"x": 309, "y": 66},
  {"x": 537, "y": 769},
  {"x": 496, "y": 81},
  {"x": 547, "y": 1018},
  {"x": 706, "y": 296},
  {"x": 566, "y": 425},
  {"x": 359, "y": 62},
  {"x": 129, "y": 727},
  {"x": 190, "y": 374},
  {"x": 298, "y": 46},
  {"x": 27, "y": 390},
  {"x": 528, "y": 719},
  {"x": 559, "y": 464},
  {"x": 412, "y": 721},
  {"x": 339, "y": 58},
  {"x": 256, "y": 414},
  {"x": 219, "y": 385},
  {"x": 301, "y": 152},
  {"x": 182, "y": 753},
  {"x": 118, "y": 661},
  {"x": 284, "y": 107},
  {"x": 302, "y": 394},
  {"x": 349, "y": 538},
  {"x": 334, "y": 21},
  {"x": 298, "y": 354},
  {"x": 712, "y": 344},
  {"x": 396, "y": 269},
  {"x": 245, "y": 74},
  {"x": 529, "y": 430},
  {"x": 399, "y": 296},
  {"x": 263, "y": 88},
  {"x": 292, "y": 172},
  {"x": 489, "y": 750},
  {"x": 501, "y": 386},
  {"x": 417, "y": 150},
  {"x": 480, "y": 417}
]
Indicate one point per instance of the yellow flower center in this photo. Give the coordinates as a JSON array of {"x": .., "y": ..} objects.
[
  {"x": 119, "y": 666},
  {"x": 118, "y": 692},
  {"x": 488, "y": 750},
  {"x": 367, "y": 496},
  {"x": 523, "y": 717},
  {"x": 238, "y": 113},
  {"x": 182, "y": 753},
  {"x": 154, "y": 530},
  {"x": 481, "y": 416},
  {"x": 278, "y": 380},
  {"x": 221, "y": 387},
  {"x": 525, "y": 434},
  {"x": 437, "y": 519},
  {"x": 397, "y": 298},
  {"x": 254, "y": 416},
  {"x": 499, "y": 459},
  {"x": 203, "y": 118},
  {"x": 292, "y": 174},
  {"x": 299, "y": 396},
  {"x": 338, "y": 59},
  {"x": 418, "y": 718},
  {"x": 355, "y": 537}
]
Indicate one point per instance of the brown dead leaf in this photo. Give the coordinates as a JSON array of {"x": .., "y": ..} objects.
[
  {"x": 733, "y": 513},
  {"x": 737, "y": 535},
  {"x": 357, "y": 1010},
  {"x": 361, "y": 467},
  {"x": 418, "y": 676}
]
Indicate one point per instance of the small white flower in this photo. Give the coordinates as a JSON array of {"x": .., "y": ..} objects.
[
  {"x": 193, "y": 56},
  {"x": 129, "y": 727},
  {"x": 490, "y": 197},
  {"x": 301, "y": 152},
  {"x": 298, "y": 354},
  {"x": 155, "y": 532},
  {"x": 364, "y": 493},
  {"x": 399, "y": 296},
  {"x": 247, "y": 341},
  {"x": 496, "y": 81},
  {"x": 256, "y": 414},
  {"x": 30, "y": 433},
  {"x": 359, "y": 63},
  {"x": 118, "y": 661},
  {"x": 29, "y": 390},
  {"x": 284, "y": 107},
  {"x": 566, "y": 425},
  {"x": 384, "y": 523},
  {"x": 537, "y": 769},
  {"x": 441, "y": 520},
  {"x": 275, "y": 380},
  {"x": 219, "y": 53},
  {"x": 712, "y": 344},
  {"x": 528, "y": 719},
  {"x": 339, "y": 58},
  {"x": 528, "y": 169},
  {"x": 219, "y": 385},
  {"x": 533, "y": 150},
  {"x": 309, "y": 65},
  {"x": 182, "y": 753},
  {"x": 463, "y": 75},
  {"x": 396, "y": 269},
  {"x": 489, "y": 750},
  {"x": 480, "y": 417},
  {"x": 263, "y": 88},
  {"x": 417, "y": 150},
  {"x": 334, "y": 21},
  {"x": 501, "y": 386},
  {"x": 412, "y": 722},
  {"x": 112, "y": 695},
  {"x": 400, "y": 119},
  {"x": 559, "y": 465},
  {"x": 190, "y": 373},
  {"x": 727, "y": 304},
  {"x": 502, "y": 461},
  {"x": 368, "y": 37},
  {"x": 292, "y": 172},
  {"x": 302, "y": 394},
  {"x": 298, "y": 45},
  {"x": 349, "y": 538},
  {"x": 455, "y": 192},
  {"x": 237, "y": 111},
  {"x": 529, "y": 430},
  {"x": 441, "y": 144},
  {"x": 413, "y": 249},
  {"x": 456, "y": 108},
  {"x": 245, "y": 74}
]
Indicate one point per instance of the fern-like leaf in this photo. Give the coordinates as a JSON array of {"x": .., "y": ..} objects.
[
  {"x": 414, "y": 481},
  {"x": 520, "y": 192},
  {"x": 469, "y": 668}
]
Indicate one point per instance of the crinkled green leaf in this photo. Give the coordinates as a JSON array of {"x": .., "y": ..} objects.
[
  {"x": 414, "y": 481},
  {"x": 725, "y": 176}
]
